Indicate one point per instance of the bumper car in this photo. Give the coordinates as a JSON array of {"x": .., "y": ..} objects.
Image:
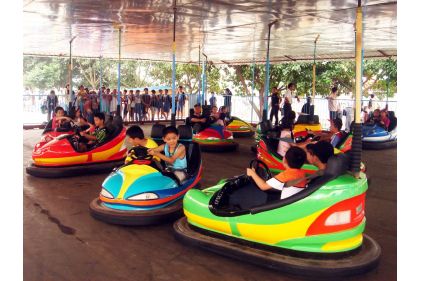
[
  {"x": 303, "y": 124},
  {"x": 374, "y": 136},
  {"x": 58, "y": 156},
  {"x": 239, "y": 128},
  {"x": 215, "y": 139},
  {"x": 267, "y": 151},
  {"x": 315, "y": 232},
  {"x": 143, "y": 192}
]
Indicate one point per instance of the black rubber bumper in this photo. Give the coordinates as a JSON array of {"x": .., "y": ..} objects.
[
  {"x": 379, "y": 145},
  {"x": 218, "y": 148},
  {"x": 242, "y": 134},
  {"x": 358, "y": 261},
  {"x": 71, "y": 171},
  {"x": 253, "y": 148},
  {"x": 168, "y": 213}
]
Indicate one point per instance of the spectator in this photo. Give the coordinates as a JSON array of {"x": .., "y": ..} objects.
[
  {"x": 146, "y": 103},
  {"x": 131, "y": 105},
  {"x": 124, "y": 104},
  {"x": 138, "y": 106},
  {"x": 113, "y": 102},
  {"x": 274, "y": 102},
  {"x": 109, "y": 97},
  {"x": 227, "y": 101},
  {"x": 52, "y": 102},
  {"x": 288, "y": 98},
  {"x": 181, "y": 102},
  {"x": 166, "y": 103},
  {"x": 333, "y": 103},
  {"x": 212, "y": 100},
  {"x": 95, "y": 102},
  {"x": 154, "y": 106}
]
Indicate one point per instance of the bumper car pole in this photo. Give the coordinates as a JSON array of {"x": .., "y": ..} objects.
[
  {"x": 173, "y": 66},
  {"x": 265, "y": 109},
  {"x": 72, "y": 96},
  {"x": 356, "y": 149},
  {"x": 314, "y": 67},
  {"x": 100, "y": 83},
  {"x": 118, "y": 73}
]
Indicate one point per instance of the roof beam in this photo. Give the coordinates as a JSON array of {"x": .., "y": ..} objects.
[
  {"x": 383, "y": 53},
  {"x": 290, "y": 58}
]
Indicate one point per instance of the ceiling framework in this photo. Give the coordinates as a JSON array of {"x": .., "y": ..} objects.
[{"x": 233, "y": 32}]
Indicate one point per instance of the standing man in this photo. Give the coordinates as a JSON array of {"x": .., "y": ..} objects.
[
  {"x": 146, "y": 103},
  {"x": 275, "y": 100},
  {"x": 227, "y": 101},
  {"x": 52, "y": 102},
  {"x": 212, "y": 100},
  {"x": 138, "y": 106},
  {"x": 181, "y": 101},
  {"x": 333, "y": 103},
  {"x": 288, "y": 98}
]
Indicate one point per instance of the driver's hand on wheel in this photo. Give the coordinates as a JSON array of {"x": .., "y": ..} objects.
[{"x": 250, "y": 172}]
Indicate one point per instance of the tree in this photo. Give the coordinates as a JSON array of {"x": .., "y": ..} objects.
[{"x": 44, "y": 73}]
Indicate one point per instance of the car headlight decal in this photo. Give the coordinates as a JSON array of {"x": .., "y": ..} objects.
[
  {"x": 144, "y": 196},
  {"x": 105, "y": 193}
]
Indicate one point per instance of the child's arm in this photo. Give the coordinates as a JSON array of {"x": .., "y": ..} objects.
[
  {"x": 258, "y": 180},
  {"x": 156, "y": 149},
  {"x": 181, "y": 152}
]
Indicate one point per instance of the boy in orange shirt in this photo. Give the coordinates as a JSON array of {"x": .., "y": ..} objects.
[{"x": 293, "y": 161}]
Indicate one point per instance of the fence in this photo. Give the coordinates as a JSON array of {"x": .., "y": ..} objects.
[{"x": 241, "y": 107}]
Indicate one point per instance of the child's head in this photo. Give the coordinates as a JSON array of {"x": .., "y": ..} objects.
[
  {"x": 321, "y": 151},
  {"x": 224, "y": 109},
  {"x": 99, "y": 119},
  {"x": 134, "y": 133},
  {"x": 214, "y": 109},
  {"x": 295, "y": 157},
  {"x": 197, "y": 108},
  {"x": 383, "y": 113},
  {"x": 376, "y": 113},
  {"x": 170, "y": 135},
  {"x": 59, "y": 111},
  {"x": 336, "y": 125}
]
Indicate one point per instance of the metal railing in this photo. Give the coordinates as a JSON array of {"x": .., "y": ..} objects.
[{"x": 241, "y": 107}]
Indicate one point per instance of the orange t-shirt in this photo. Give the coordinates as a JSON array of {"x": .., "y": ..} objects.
[{"x": 292, "y": 174}]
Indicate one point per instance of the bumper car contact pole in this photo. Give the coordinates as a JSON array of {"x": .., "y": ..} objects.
[
  {"x": 173, "y": 66},
  {"x": 100, "y": 82},
  {"x": 118, "y": 73},
  {"x": 200, "y": 83},
  {"x": 72, "y": 96},
  {"x": 205, "y": 79},
  {"x": 265, "y": 110},
  {"x": 356, "y": 149},
  {"x": 314, "y": 68}
]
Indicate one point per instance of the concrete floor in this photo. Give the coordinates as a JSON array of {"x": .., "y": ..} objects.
[{"x": 63, "y": 242}]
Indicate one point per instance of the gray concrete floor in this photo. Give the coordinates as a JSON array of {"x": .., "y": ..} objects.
[{"x": 63, "y": 242}]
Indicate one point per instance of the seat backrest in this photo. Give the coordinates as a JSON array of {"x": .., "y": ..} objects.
[
  {"x": 265, "y": 126},
  {"x": 393, "y": 121},
  {"x": 185, "y": 133},
  {"x": 157, "y": 132},
  {"x": 193, "y": 157}
]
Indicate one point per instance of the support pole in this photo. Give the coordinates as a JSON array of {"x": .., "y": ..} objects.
[
  {"x": 205, "y": 80},
  {"x": 118, "y": 78},
  {"x": 173, "y": 66},
  {"x": 265, "y": 109},
  {"x": 252, "y": 89},
  {"x": 356, "y": 150},
  {"x": 198, "y": 99},
  {"x": 72, "y": 96},
  {"x": 100, "y": 83},
  {"x": 314, "y": 69}
]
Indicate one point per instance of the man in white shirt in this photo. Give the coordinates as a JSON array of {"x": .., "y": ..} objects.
[
  {"x": 288, "y": 98},
  {"x": 333, "y": 103}
]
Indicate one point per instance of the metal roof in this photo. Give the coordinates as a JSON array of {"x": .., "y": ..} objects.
[{"x": 227, "y": 31}]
